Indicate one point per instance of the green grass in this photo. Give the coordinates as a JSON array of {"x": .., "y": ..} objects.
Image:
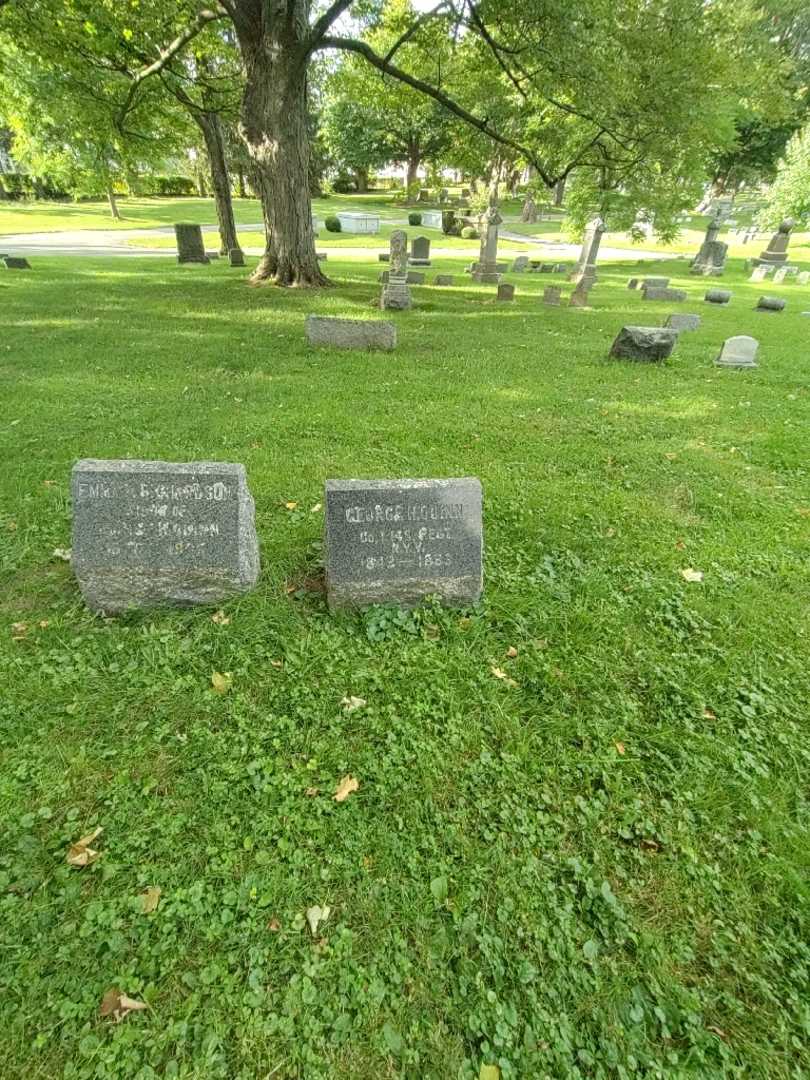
[{"x": 598, "y": 872}]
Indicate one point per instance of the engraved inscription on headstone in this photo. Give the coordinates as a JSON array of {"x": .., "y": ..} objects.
[
  {"x": 398, "y": 541},
  {"x": 156, "y": 532}
]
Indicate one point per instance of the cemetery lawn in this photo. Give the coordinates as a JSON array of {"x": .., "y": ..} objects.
[{"x": 579, "y": 844}]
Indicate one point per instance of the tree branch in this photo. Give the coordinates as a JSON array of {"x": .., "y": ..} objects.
[
  {"x": 415, "y": 27},
  {"x": 379, "y": 62},
  {"x": 322, "y": 25},
  {"x": 208, "y": 15}
]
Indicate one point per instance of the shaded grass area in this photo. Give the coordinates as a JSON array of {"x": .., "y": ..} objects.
[{"x": 598, "y": 872}]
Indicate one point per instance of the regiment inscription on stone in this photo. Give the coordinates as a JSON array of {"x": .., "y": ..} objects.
[{"x": 398, "y": 541}]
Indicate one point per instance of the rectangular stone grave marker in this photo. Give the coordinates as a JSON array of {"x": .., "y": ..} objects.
[
  {"x": 770, "y": 303},
  {"x": 420, "y": 251},
  {"x": 759, "y": 273},
  {"x": 190, "y": 247},
  {"x": 236, "y": 257},
  {"x": 443, "y": 279},
  {"x": 674, "y": 296},
  {"x": 147, "y": 533},
  {"x": 718, "y": 296},
  {"x": 683, "y": 322},
  {"x": 803, "y": 278},
  {"x": 506, "y": 292},
  {"x": 552, "y": 295},
  {"x": 650, "y": 344},
  {"x": 398, "y": 541},
  {"x": 16, "y": 262},
  {"x": 632, "y": 283},
  {"x": 350, "y": 333},
  {"x": 740, "y": 351},
  {"x": 780, "y": 275},
  {"x": 520, "y": 264},
  {"x": 655, "y": 283}
]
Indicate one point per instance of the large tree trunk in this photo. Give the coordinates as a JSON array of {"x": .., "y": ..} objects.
[
  {"x": 361, "y": 180},
  {"x": 276, "y": 133},
  {"x": 3, "y": 192},
  {"x": 414, "y": 161},
  {"x": 559, "y": 192},
  {"x": 111, "y": 199},
  {"x": 211, "y": 127},
  {"x": 240, "y": 182}
]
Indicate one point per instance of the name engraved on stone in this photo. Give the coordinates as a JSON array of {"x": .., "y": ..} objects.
[
  {"x": 399, "y": 541},
  {"x": 146, "y": 533}
]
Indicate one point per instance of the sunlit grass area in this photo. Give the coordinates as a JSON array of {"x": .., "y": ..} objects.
[{"x": 596, "y": 866}]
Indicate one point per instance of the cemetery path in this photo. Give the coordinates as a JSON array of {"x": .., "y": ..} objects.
[{"x": 103, "y": 242}]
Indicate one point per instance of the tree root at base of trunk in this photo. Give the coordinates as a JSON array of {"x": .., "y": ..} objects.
[{"x": 288, "y": 277}]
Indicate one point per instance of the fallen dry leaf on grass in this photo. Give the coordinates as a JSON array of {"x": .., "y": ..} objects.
[
  {"x": 118, "y": 1005},
  {"x": 620, "y": 747},
  {"x": 344, "y": 789},
  {"x": 709, "y": 715},
  {"x": 150, "y": 899},
  {"x": 511, "y": 652},
  {"x": 62, "y": 553},
  {"x": 350, "y": 703},
  {"x": 18, "y": 630},
  {"x": 691, "y": 575},
  {"x": 680, "y": 545},
  {"x": 290, "y": 505},
  {"x": 315, "y": 916},
  {"x": 81, "y": 854},
  {"x": 489, "y": 1072},
  {"x": 220, "y": 618},
  {"x": 312, "y": 791},
  {"x": 499, "y": 673},
  {"x": 274, "y": 925},
  {"x": 43, "y": 624},
  {"x": 316, "y": 508},
  {"x": 277, "y": 663},
  {"x": 221, "y": 682}
]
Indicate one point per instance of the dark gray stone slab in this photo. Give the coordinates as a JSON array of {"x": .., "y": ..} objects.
[
  {"x": 384, "y": 256},
  {"x": 16, "y": 262},
  {"x": 683, "y": 322},
  {"x": 236, "y": 257},
  {"x": 552, "y": 295},
  {"x": 506, "y": 292},
  {"x": 190, "y": 247},
  {"x": 770, "y": 303},
  {"x": 443, "y": 279},
  {"x": 420, "y": 248},
  {"x": 672, "y": 296},
  {"x": 398, "y": 541},
  {"x": 647, "y": 343},
  {"x": 520, "y": 264},
  {"x": 632, "y": 283},
  {"x": 415, "y": 278},
  {"x": 655, "y": 283},
  {"x": 350, "y": 333},
  {"x": 717, "y": 296},
  {"x": 147, "y": 533}
]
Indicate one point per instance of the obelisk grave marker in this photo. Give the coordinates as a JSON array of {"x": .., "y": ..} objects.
[
  {"x": 398, "y": 541},
  {"x": 153, "y": 532}
]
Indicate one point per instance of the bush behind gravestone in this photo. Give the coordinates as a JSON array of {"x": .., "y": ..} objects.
[
  {"x": 332, "y": 224},
  {"x": 414, "y": 219},
  {"x": 469, "y": 233}
]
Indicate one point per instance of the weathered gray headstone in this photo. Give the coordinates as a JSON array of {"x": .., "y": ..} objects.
[
  {"x": 396, "y": 295},
  {"x": 520, "y": 264},
  {"x": 443, "y": 279},
  {"x": 655, "y": 283},
  {"x": 16, "y": 262},
  {"x": 717, "y": 296},
  {"x": 420, "y": 251},
  {"x": 776, "y": 251},
  {"x": 350, "y": 333},
  {"x": 711, "y": 259},
  {"x": 579, "y": 297},
  {"x": 803, "y": 278},
  {"x": 770, "y": 303},
  {"x": 506, "y": 291},
  {"x": 486, "y": 271},
  {"x": 632, "y": 283},
  {"x": 647, "y": 343},
  {"x": 552, "y": 295},
  {"x": 154, "y": 532},
  {"x": 683, "y": 322},
  {"x": 398, "y": 541},
  {"x": 780, "y": 275},
  {"x": 383, "y": 256},
  {"x": 236, "y": 257},
  {"x": 759, "y": 273},
  {"x": 675, "y": 296},
  {"x": 791, "y": 271},
  {"x": 585, "y": 270},
  {"x": 740, "y": 351},
  {"x": 560, "y": 268},
  {"x": 190, "y": 247},
  {"x": 415, "y": 278},
  {"x": 546, "y": 268}
]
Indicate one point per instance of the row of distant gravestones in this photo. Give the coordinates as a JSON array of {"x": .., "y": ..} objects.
[{"x": 147, "y": 533}]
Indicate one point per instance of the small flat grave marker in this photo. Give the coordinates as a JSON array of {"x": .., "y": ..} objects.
[
  {"x": 770, "y": 303},
  {"x": 552, "y": 295},
  {"x": 673, "y": 296},
  {"x": 650, "y": 344},
  {"x": 351, "y": 333},
  {"x": 148, "y": 533},
  {"x": 236, "y": 257},
  {"x": 506, "y": 292},
  {"x": 443, "y": 279},
  {"x": 717, "y": 296},
  {"x": 683, "y": 322},
  {"x": 16, "y": 262},
  {"x": 398, "y": 541}
]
